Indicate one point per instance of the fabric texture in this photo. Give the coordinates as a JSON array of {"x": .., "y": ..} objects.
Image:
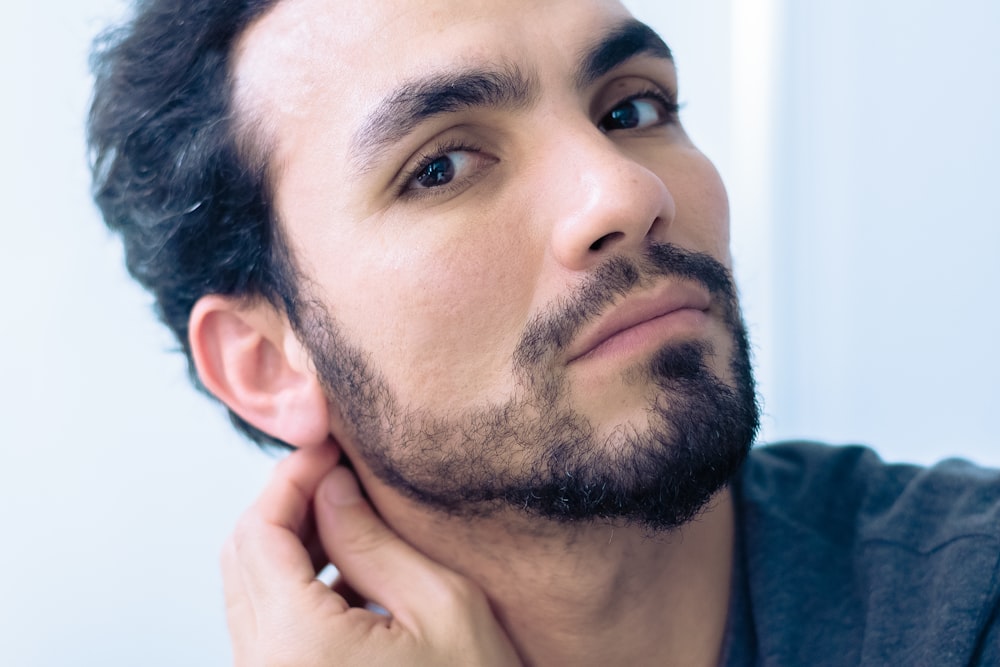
[{"x": 843, "y": 559}]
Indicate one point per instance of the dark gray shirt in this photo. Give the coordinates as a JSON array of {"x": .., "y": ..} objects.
[{"x": 845, "y": 560}]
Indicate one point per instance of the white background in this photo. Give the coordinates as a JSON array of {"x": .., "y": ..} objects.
[{"x": 859, "y": 141}]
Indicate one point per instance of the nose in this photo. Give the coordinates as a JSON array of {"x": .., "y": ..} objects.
[{"x": 604, "y": 201}]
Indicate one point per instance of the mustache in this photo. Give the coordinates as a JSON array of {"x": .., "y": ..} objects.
[{"x": 551, "y": 332}]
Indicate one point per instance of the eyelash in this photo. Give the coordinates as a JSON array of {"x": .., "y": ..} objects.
[
  {"x": 669, "y": 102},
  {"x": 428, "y": 157},
  {"x": 670, "y": 107}
]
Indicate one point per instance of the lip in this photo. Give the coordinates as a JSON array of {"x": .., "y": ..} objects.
[{"x": 674, "y": 298}]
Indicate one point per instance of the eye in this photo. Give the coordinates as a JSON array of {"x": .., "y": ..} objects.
[
  {"x": 446, "y": 166},
  {"x": 638, "y": 112},
  {"x": 440, "y": 171}
]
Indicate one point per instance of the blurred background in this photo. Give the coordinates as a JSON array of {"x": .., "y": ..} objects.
[{"x": 860, "y": 144}]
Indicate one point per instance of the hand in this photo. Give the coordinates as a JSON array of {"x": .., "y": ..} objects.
[{"x": 280, "y": 614}]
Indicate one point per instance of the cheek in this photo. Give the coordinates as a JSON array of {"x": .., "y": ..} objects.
[
  {"x": 439, "y": 308},
  {"x": 702, "y": 207}
]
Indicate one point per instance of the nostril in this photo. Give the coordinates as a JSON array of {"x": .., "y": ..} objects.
[{"x": 605, "y": 240}]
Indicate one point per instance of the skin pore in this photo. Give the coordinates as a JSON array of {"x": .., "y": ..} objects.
[{"x": 443, "y": 239}]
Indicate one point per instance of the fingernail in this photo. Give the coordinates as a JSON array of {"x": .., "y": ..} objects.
[{"x": 341, "y": 488}]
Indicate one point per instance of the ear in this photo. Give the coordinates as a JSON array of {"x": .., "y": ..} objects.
[{"x": 247, "y": 355}]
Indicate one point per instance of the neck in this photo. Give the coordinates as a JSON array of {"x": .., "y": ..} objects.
[{"x": 588, "y": 595}]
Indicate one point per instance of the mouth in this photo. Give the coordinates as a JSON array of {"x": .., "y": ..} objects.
[{"x": 673, "y": 310}]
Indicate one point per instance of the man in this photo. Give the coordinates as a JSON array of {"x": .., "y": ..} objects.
[{"x": 470, "y": 246}]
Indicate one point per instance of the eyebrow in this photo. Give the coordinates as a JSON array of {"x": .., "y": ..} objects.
[
  {"x": 630, "y": 39},
  {"x": 504, "y": 87},
  {"x": 417, "y": 101}
]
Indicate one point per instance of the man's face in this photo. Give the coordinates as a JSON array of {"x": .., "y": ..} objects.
[{"x": 513, "y": 256}]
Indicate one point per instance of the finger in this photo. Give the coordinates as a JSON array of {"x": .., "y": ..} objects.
[
  {"x": 351, "y": 596},
  {"x": 240, "y": 617},
  {"x": 273, "y": 562},
  {"x": 314, "y": 547},
  {"x": 287, "y": 498},
  {"x": 372, "y": 558},
  {"x": 330, "y": 577}
]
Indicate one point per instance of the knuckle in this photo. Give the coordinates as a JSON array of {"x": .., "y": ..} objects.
[
  {"x": 227, "y": 555},
  {"x": 247, "y": 528},
  {"x": 245, "y": 538}
]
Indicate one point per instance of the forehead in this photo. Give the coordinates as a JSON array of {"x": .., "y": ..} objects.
[{"x": 305, "y": 54}]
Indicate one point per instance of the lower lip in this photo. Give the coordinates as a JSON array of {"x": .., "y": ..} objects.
[{"x": 649, "y": 335}]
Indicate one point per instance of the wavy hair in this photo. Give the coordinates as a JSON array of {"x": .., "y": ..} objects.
[{"x": 175, "y": 170}]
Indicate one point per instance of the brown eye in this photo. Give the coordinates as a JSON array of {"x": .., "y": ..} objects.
[
  {"x": 446, "y": 167},
  {"x": 639, "y": 112}
]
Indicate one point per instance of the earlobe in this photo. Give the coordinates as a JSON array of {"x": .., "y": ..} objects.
[{"x": 248, "y": 357}]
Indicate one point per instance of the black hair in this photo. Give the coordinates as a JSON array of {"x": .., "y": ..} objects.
[{"x": 177, "y": 173}]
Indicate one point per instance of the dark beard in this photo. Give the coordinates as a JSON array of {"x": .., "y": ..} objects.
[{"x": 533, "y": 453}]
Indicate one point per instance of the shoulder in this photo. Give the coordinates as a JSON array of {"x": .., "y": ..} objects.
[
  {"x": 894, "y": 564},
  {"x": 848, "y": 494}
]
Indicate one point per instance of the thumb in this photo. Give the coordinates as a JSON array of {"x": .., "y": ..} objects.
[{"x": 373, "y": 559}]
